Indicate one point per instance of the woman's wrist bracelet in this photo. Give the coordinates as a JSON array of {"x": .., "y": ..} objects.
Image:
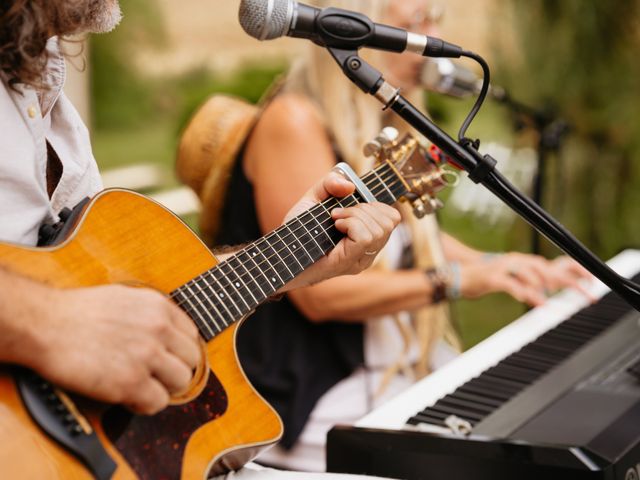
[
  {"x": 487, "y": 257},
  {"x": 438, "y": 281},
  {"x": 454, "y": 285}
]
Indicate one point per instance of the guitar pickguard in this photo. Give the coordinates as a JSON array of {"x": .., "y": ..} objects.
[{"x": 154, "y": 446}]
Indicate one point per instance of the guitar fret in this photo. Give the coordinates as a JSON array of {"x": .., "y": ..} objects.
[
  {"x": 212, "y": 295},
  {"x": 210, "y": 302},
  {"x": 194, "y": 310},
  {"x": 198, "y": 298},
  {"x": 230, "y": 291},
  {"x": 393, "y": 197},
  {"x": 222, "y": 295},
  {"x": 236, "y": 284},
  {"x": 249, "y": 283},
  {"x": 284, "y": 275},
  {"x": 179, "y": 298},
  {"x": 294, "y": 267},
  {"x": 397, "y": 186},
  {"x": 259, "y": 283},
  {"x": 313, "y": 246},
  {"x": 265, "y": 268},
  {"x": 318, "y": 230},
  {"x": 331, "y": 232},
  {"x": 233, "y": 288},
  {"x": 297, "y": 245}
]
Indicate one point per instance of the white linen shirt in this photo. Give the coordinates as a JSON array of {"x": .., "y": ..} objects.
[{"x": 28, "y": 119}]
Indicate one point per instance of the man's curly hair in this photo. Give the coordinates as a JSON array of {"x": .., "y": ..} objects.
[{"x": 25, "y": 27}]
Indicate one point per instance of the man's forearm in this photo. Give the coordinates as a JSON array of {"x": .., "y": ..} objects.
[{"x": 21, "y": 304}]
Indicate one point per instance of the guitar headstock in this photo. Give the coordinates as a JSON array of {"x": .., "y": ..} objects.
[{"x": 421, "y": 170}]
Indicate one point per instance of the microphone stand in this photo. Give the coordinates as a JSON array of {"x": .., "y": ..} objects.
[
  {"x": 551, "y": 132},
  {"x": 482, "y": 169}
]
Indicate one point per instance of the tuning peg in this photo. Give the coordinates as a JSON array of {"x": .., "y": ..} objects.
[
  {"x": 372, "y": 148},
  {"x": 419, "y": 209},
  {"x": 387, "y": 136},
  {"x": 435, "y": 204}
]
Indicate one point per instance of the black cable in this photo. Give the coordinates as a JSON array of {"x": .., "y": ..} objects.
[{"x": 486, "y": 82}]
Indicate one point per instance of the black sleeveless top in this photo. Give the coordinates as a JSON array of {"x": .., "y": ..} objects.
[{"x": 291, "y": 361}]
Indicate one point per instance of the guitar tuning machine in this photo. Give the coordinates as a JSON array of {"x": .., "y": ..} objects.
[
  {"x": 426, "y": 205},
  {"x": 387, "y": 137}
]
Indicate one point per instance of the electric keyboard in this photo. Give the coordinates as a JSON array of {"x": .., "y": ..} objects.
[{"x": 555, "y": 394}]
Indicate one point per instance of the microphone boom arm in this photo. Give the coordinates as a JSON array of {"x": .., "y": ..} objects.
[{"x": 482, "y": 169}]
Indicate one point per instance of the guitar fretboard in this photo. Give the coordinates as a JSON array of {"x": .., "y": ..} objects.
[{"x": 230, "y": 291}]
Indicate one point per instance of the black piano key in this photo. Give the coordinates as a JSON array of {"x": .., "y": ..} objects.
[
  {"x": 484, "y": 392},
  {"x": 489, "y": 402},
  {"x": 578, "y": 336},
  {"x": 506, "y": 379},
  {"x": 428, "y": 417},
  {"x": 459, "y": 412},
  {"x": 452, "y": 401},
  {"x": 530, "y": 361},
  {"x": 487, "y": 392},
  {"x": 513, "y": 384},
  {"x": 575, "y": 324},
  {"x": 511, "y": 372},
  {"x": 530, "y": 366},
  {"x": 534, "y": 359},
  {"x": 567, "y": 337},
  {"x": 594, "y": 320},
  {"x": 546, "y": 350},
  {"x": 493, "y": 385}
]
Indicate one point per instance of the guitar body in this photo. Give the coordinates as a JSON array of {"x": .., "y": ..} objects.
[{"x": 219, "y": 425}]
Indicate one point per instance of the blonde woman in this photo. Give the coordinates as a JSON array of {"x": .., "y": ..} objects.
[{"x": 329, "y": 353}]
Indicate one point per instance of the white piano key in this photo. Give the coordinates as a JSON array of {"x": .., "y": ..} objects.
[{"x": 395, "y": 413}]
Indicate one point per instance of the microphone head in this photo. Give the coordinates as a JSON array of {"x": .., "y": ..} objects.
[
  {"x": 441, "y": 75},
  {"x": 266, "y": 19}
]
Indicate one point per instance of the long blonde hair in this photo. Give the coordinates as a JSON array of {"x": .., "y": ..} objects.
[{"x": 352, "y": 119}]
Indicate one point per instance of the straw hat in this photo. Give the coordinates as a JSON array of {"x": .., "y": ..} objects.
[{"x": 208, "y": 149}]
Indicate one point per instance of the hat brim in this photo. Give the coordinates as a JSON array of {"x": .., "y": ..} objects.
[{"x": 207, "y": 153}]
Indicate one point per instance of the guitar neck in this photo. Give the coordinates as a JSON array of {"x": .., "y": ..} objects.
[{"x": 225, "y": 294}]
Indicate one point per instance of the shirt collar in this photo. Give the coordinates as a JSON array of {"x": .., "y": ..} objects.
[{"x": 54, "y": 76}]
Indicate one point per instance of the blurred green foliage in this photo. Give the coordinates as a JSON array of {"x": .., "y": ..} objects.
[
  {"x": 580, "y": 57},
  {"x": 138, "y": 117},
  {"x": 577, "y": 57},
  {"x": 121, "y": 97}
]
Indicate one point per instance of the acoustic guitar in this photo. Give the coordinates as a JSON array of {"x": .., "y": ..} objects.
[{"x": 221, "y": 422}]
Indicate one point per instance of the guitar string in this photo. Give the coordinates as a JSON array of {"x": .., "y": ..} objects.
[
  {"x": 293, "y": 232},
  {"x": 381, "y": 185},
  {"x": 250, "y": 272},
  {"x": 212, "y": 324}
]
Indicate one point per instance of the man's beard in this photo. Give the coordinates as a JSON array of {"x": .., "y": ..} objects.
[{"x": 95, "y": 16}]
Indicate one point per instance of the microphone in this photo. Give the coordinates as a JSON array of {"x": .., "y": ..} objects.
[
  {"x": 334, "y": 28},
  {"x": 443, "y": 76}
]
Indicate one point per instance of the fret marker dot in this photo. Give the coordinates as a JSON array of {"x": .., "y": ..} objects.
[
  {"x": 316, "y": 232},
  {"x": 273, "y": 279},
  {"x": 222, "y": 295},
  {"x": 255, "y": 254},
  {"x": 237, "y": 285}
]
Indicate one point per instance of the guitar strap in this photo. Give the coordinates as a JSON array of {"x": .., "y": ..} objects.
[{"x": 54, "y": 233}]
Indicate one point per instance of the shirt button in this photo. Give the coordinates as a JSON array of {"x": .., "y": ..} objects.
[{"x": 32, "y": 111}]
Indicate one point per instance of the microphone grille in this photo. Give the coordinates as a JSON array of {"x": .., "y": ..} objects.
[{"x": 266, "y": 19}]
